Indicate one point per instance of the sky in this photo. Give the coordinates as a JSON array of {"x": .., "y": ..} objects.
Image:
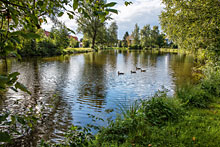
[{"x": 141, "y": 12}]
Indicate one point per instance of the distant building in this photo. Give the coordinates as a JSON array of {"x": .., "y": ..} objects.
[
  {"x": 70, "y": 36},
  {"x": 47, "y": 33}
]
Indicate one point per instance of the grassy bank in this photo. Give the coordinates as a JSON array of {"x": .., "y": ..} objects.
[
  {"x": 190, "y": 118},
  {"x": 167, "y": 125},
  {"x": 77, "y": 50}
]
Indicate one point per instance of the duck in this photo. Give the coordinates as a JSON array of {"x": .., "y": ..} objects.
[
  {"x": 143, "y": 70},
  {"x": 138, "y": 68},
  {"x": 133, "y": 71},
  {"x": 120, "y": 73}
]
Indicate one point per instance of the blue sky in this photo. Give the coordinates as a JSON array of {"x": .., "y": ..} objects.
[{"x": 141, "y": 12}]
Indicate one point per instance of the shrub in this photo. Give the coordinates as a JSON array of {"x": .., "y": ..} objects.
[
  {"x": 135, "y": 46},
  {"x": 194, "y": 96},
  {"x": 211, "y": 84},
  {"x": 161, "y": 109},
  {"x": 47, "y": 48}
]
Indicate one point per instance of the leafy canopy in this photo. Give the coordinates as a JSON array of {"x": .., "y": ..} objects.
[{"x": 192, "y": 24}]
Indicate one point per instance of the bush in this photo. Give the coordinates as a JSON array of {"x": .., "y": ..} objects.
[
  {"x": 155, "y": 112},
  {"x": 47, "y": 48},
  {"x": 135, "y": 46},
  {"x": 211, "y": 84},
  {"x": 194, "y": 96},
  {"x": 161, "y": 109}
]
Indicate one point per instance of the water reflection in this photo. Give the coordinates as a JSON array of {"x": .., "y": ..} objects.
[{"x": 89, "y": 84}]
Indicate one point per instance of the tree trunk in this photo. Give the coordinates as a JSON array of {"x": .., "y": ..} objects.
[
  {"x": 93, "y": 40},
  {"x": 6, "y": 64}
]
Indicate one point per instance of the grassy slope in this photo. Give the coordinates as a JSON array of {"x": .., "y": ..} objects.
[
  {"x": 77, "y": 50},
  {"x": 197, "y": 127}
]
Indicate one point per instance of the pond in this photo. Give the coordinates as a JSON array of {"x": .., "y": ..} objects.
[{"x": 89, "y": 84}]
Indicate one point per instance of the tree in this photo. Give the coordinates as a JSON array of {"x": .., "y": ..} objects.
[
  {"x": 124, "y": 41},
  {"x": 192, "y": 24},
  {"x": 102, "y": 37},
  {"x": 136, "y": 35},
  {"x": 113, "y": 34},
  {"x": 90, "y": 25},
  {"x": 161, "y": 42},
  {"x": 154, "y": 36},
  {"x": 61, "y": 36},
  {"x": 145, "y": 36}
]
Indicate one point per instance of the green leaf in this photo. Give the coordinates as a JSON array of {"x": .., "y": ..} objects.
[
  {"x": 4, "y": 137},
  {"x": 21, "y": 120},
  {"x": 14, "y": 74},
  {"x": 127, "y": 3},
  {"x": 75, "y": 4},
  {"x": 30, "y": 36},
  {"x": 12, "y": 88},
  {"x": 112, "y": 4},
  {"x": 70, "y": 15},
  {"x": 3, "y": 117},
  {"x": 112, "y": 10},
  {"x": 20, "y": 86},
  {"x": 60, "y": 14},
  {"x": 40, "y": 3},
  {"x": 71, "y": 31}
]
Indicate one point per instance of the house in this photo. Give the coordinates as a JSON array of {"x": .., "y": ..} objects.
[
  {"x": 70, "y": 36},
  {"x": 47, "y": 33}
]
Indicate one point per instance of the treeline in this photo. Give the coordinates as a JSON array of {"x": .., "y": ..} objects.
[
  {"x": 49, "y": 43},
  {"x": 145, "y": 38},
  {"x": 96, "y": 34}
]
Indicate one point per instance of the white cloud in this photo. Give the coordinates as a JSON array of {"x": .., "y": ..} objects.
[{"x": 141, "y": 12}]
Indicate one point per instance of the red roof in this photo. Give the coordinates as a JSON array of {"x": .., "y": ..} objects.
[
  {"x": 47, "y": 33},
  {"x": 70, "y": 36}
]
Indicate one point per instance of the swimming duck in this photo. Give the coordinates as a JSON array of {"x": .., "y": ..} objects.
[
  {"x": 143, "y": 70},
  {"x": 120, "y": 73},
  {"x": 133, "y": 71},
  {"x": 138, "y": 68}
]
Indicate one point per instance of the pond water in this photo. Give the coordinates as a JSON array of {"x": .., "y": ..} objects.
[{"x": 89, "y": 84}]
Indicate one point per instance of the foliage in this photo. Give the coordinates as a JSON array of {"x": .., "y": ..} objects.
[
  {"x": 136, "y": 35},
  {"x": 10, "y": 81},
  {"x": 78, "y": 136},
  {"x": 145, "y": 35},
  {"x": 91, "y": 25},
  {"x": 161, "y": 109},
  {"x": 194, "y": 97},
  {"x": 61, "y": 36},
  {"x": 73, "y": 43},
  {"x": 14, "y": 125},
  {"x": 125, "y": 42},
  {"x": 86, "y": 43},
  {"x": 211, "y": 82},
  {"x": 47, "y": 48},
  {"x": 113, "y": 34},
  {"x": 192, "y": 24},
  {"x": 145, "y": 38},
  {"x": 202, "y": 94}
]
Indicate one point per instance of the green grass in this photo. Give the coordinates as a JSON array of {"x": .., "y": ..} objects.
[
  {"x": 197, "y": 127},
  {"x": 77, "y": 50},
  {"x": 191, "y": 118}
]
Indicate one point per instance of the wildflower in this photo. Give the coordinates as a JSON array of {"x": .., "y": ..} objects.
[
  {"x": 149, "y": 145},
  {"x": 194, "y": 138}
]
